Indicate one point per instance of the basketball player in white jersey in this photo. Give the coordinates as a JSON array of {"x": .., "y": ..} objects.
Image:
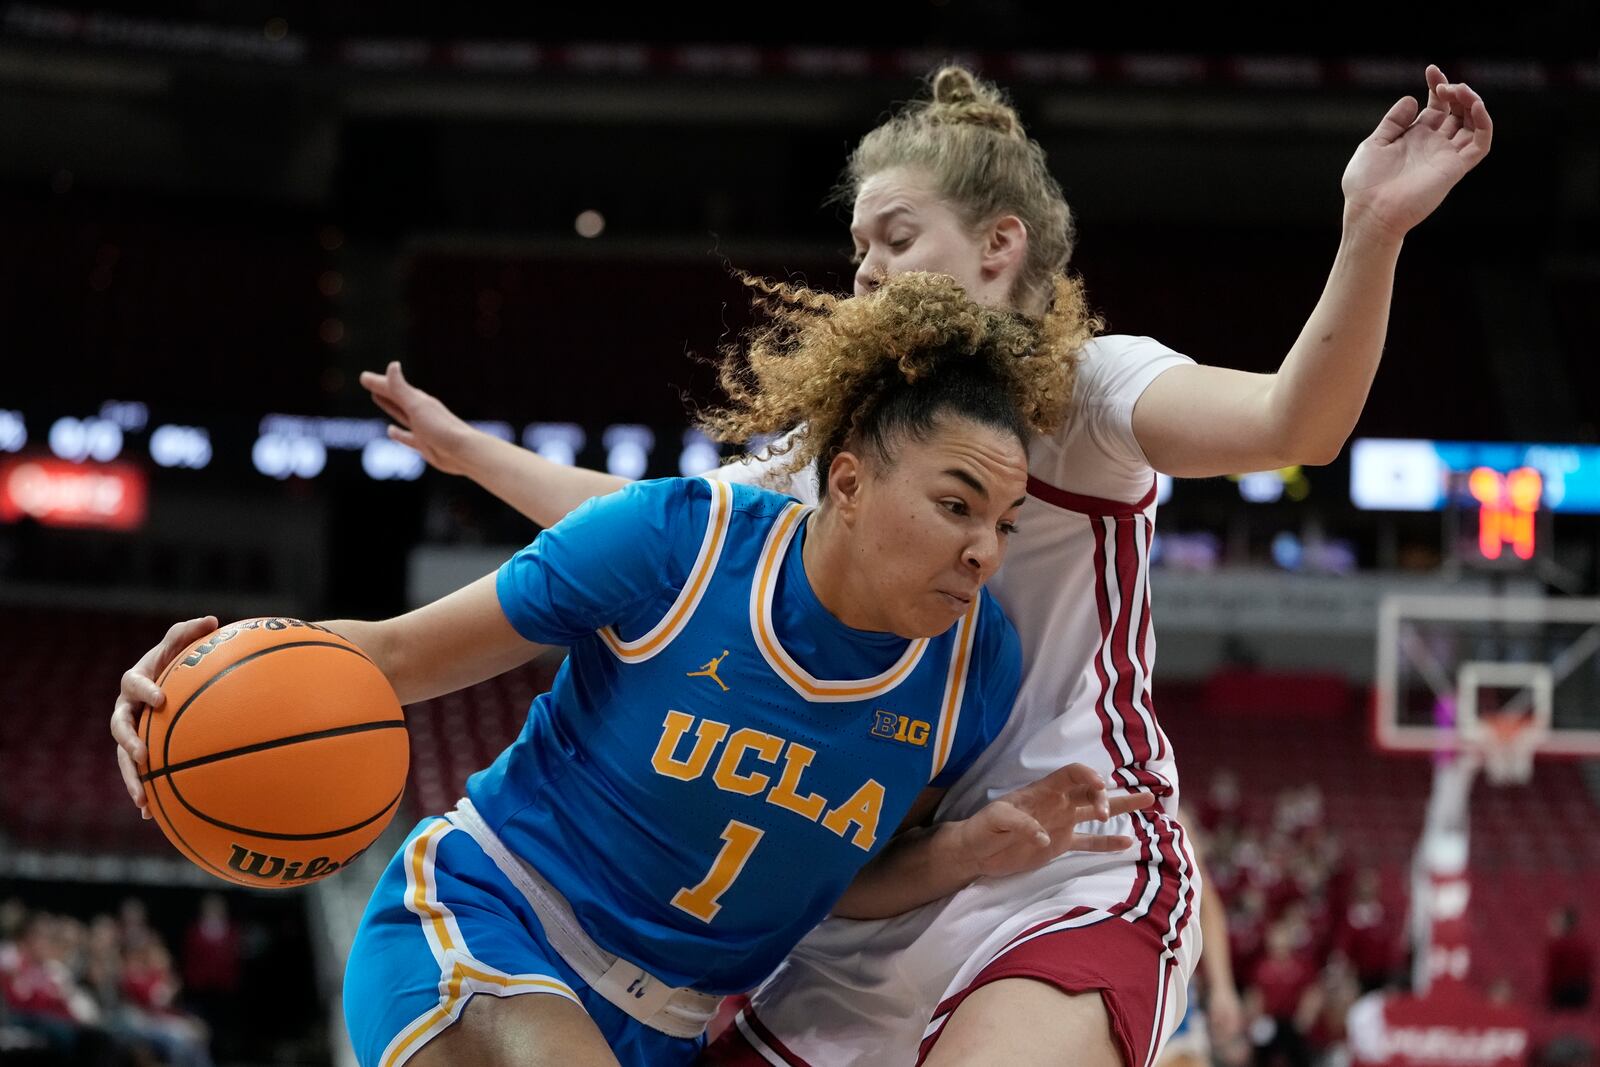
[{"x": 1087, "y": 959}]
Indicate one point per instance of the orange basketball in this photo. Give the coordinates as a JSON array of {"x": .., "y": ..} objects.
[{"x": 279, "y": 755}]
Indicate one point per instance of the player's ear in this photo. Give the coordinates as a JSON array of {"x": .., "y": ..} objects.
[
  {"x": 845, "y": 479},
  {"x": 1005, "y": 245}
]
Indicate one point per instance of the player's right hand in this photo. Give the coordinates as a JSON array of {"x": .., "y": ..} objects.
[
  {"x": 422, "y": 422},
  {"x": 138, "y": 691},
  {"x": 1030, "y": 826},
  {"x": 1404, "y": 170}
]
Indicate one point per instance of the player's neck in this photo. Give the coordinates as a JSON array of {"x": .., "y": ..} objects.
[{"x": 829, "y": 566}]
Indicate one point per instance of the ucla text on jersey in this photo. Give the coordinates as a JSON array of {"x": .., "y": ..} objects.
[{"x": 720, "y": 755}]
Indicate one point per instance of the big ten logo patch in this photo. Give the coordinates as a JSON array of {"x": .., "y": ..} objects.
[{"x": 903, "y": 728}]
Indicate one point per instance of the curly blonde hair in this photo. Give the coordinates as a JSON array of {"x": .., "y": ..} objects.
[
  {"x": 967, "y": 139},
  {"x": 849, "y": 371}
]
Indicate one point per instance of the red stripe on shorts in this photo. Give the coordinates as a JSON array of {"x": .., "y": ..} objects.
[
  {"x": 770, "y": 1039},
  {"x": 1109, "y": 957}
]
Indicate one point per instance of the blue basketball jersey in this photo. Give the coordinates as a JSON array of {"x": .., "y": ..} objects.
[{"x": 720, "y": 755}]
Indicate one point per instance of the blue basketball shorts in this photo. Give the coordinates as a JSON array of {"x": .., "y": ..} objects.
[{"x": 444, "y": 925}]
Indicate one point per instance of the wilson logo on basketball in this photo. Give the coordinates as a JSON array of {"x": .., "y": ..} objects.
[
  {"x": 228, "y": 633},
  {"x": 259, "y": 865},
  {"x": 273, "y": 712}
]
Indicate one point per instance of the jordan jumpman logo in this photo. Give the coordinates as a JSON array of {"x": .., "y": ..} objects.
[{"x": 710, "y": 670}]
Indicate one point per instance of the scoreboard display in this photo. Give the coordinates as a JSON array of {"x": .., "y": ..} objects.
[{"x": 1498, "y": 492}]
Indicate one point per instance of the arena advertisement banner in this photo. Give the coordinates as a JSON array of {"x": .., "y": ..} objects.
[
  {"x": 57, "y": 493},
  {"x": 1452, "y": 1026}
]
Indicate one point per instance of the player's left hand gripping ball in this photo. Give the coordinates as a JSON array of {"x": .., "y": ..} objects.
[{"x": 279, "y": 754}]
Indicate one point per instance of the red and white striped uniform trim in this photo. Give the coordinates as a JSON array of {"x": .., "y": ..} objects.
[
  {"x": 1132, "y": 737},
  {"x": 764, "y": 1042},
  {"x": 1163, "y": 893}
]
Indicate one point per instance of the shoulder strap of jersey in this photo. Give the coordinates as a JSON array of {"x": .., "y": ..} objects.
[
  {"x": 955, "y": 687},
  {"x": 678, "y": 616}
]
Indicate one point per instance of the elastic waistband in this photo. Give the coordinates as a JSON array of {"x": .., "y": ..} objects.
[{"x": 674, "y": 1011}]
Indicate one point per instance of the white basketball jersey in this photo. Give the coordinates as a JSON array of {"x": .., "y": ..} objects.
[{"x": 1075, "y": 584}]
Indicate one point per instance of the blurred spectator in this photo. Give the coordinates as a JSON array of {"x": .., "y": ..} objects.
[
  {"x": 1326, "y": 1004},
  {"x": 150, "y": 990},
  {"x": 1366, "y": 934},
  {"x": 12, "y": 917},
  {"x": 1281, "y": 978},
  {"x": 1247, "y": 931},
  {"x": 1299, "y": 809},
  {"x": 1220, "y": 808},
  {"x": 102, "y": 972},
  {"x": 135, "y": 924},
  {"x": 1271, "y": 874},
  {"x": 212, "y": 951},
  {"x": 1307, "y": 921},
  {"x": 1222, "y": 865},
  {"x": 1568, "y": 963}
]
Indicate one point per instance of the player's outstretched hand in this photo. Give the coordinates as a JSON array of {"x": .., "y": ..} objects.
[
  {"x": 1414, "y": 158},
  {"x": 421, "y": 420},
  {"x": 139, "y": 690},
  {"x": 1030, "y": 826}
]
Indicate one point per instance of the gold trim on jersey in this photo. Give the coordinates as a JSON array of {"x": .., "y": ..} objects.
[
  {"x": 661, "y": 635},
  {"x": 778, "y": 658},
  {"x": 955, "y": 687},
  {"x": 462, "y": 975}
]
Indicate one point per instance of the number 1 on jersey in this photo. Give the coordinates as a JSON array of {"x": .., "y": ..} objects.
[{"x": 739, "y": 841}]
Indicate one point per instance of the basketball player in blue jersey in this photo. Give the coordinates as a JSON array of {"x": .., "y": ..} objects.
[{"x": 757, "y": 695}]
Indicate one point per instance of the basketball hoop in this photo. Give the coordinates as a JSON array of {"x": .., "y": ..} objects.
[
  {"x": 1505, "y": 737},
  {"x": 1507, "y": 742},
  {"x": 1444, "y": 662}
]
